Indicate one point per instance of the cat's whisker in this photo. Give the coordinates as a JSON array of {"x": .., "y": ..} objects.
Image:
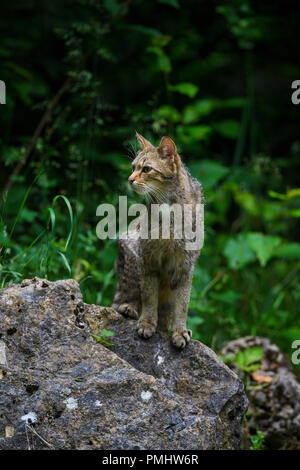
[
  {"x": 158, "y": 193},
  {"x": 150, "y": 193},
  {"x": 132, "y": 151},
  {"x": 128, "y": 156}
]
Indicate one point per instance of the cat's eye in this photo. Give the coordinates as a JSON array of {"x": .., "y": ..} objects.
[{"x": 146, "y": 169}]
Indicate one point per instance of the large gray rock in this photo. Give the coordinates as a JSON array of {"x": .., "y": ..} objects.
[
  {"x": 62, "y": 389},
  {"x": 274, "y": 407}
]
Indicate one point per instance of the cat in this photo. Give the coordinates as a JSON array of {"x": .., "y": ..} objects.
[{"x": 156, "y": 274}]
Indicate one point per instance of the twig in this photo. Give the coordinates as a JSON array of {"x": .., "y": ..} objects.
[
  {"x": 38, "y": 435},
  {"x": 47, "y": 114},
  {"x": 28, "y": 443}
]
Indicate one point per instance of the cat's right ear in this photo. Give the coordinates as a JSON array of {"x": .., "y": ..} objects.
[
  {"x": 167, "y": 151},
  {"x": 144, "y": 143}
]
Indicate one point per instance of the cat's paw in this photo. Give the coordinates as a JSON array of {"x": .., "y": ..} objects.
[
  {"x": 145, "y": 329},
  {"x": 128, "y": 311},
  {"x": 181, "y": 338}
]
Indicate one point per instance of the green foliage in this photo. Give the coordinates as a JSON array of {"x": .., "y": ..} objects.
[
  {"x": 238, "y": 252},
  {"x": 102, "y": 339},
  {"x": 245, "y": 359},
  {"x": 264, "y": 246},
  {"x": 257, "y": 441},
  {"x": 185, "y": 88},
  {"x": 173, "y": 3}
]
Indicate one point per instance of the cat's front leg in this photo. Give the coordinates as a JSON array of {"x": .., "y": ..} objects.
[
  {"x": 147, "y": 323},
  {"x": 127, "y": 296},
  {"x": 180, "y": 298}
]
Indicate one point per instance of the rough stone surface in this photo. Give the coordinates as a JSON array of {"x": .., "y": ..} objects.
[
  {"x": 275, "y": 407},
  {"x": 60, "y": 388}
]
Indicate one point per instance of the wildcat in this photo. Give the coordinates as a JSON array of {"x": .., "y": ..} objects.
[{"x": 156, "y": 274}]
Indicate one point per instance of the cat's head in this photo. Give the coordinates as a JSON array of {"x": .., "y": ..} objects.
[{"x": 155, "y": 169}]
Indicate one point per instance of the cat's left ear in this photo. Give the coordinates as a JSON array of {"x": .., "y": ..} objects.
[
  {"x": 167, "y": 150},
  {"x": 144, "y": 143}
]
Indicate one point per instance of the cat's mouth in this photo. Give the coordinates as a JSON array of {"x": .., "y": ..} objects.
[
  {"x": 150, "y": 190},
  {"x": 140, "y": 188}
]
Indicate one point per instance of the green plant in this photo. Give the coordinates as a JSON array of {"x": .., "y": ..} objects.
[
  {"x": 245, "y": 360},
  {"x": 257, "y": 441},
  {"x": 102, "y": 339}
]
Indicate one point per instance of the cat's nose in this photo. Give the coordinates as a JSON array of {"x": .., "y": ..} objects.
[{"x": 131, "y": 179}]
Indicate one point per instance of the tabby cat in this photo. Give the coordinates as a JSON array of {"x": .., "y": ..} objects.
[{"x": 156, "y": 274}]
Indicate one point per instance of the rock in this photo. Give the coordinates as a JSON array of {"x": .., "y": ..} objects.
[
  {"x": 275, "y": 407},
  {"x": 60, "y": 388}
]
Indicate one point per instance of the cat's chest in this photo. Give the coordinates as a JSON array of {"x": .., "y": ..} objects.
[{"x": 163, "y": 255}]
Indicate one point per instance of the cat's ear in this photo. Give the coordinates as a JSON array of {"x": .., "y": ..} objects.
[
  {"x": 167, "y": 150},
  {"x": 144, "y": 143}
]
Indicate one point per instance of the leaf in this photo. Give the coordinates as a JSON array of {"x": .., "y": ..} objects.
[
  {"x": 66, "y": 262},
  {"x": 161, "y": 41},
  {"x": 284, "y": 197},
  {"x": 107, "y": 332},
  {"x": 102, "y": 340},
  {"x": 293, "y": 193},
  {"x": 257, "y": 441},
  {"x": 195, "y": 320},
  {"x": 252, "y": 368},
  {"x": 244, "y": 359},
  {"x": 289, "y": 250},
  {"x": 263, "y": 245},
  {"x": 167, "y": 112},
  {"x": 112, "y": 6},
  {"x": 294, "y": 212},
  {"x": 229, "y": 296},
  {"x": 67, "y": 202},
  {"x": 195, "y": 111},
  {"x": 172, "y": 3},
  {"x": 208, "y": 172},
  {"x": 238, "y": 252},
  {"x": 164, "y": 62},
  {"x": 22, "y": 204},
  {"x": 227, "y": 358},
  {"x": 193, "y": 133},
  {"x": 261, "y": 379},
  {"x": 239, "y": 360},
  {"x": 272, "y": 210},
  {"x": 254, "y": 354},
  {"x": 276, "y": 195},
  {"x": 228, "y": 128},
  {"x": 247, "y": 201},
  {"x": 145, "y": 30},
  {"x": 97, "y": 338},
  {"x": 292, "y": 333},
  {"x": 28, "y": 215},
  {"x": 185, "y": 88},
  {"x": 232, "y": 103}
]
